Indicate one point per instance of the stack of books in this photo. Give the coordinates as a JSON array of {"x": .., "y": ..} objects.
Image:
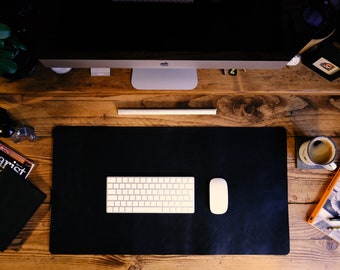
[{"x": 19, "y": 198}]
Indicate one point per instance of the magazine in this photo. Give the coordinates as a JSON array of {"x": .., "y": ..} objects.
[
  {"x": 9, "y": 158},
  {"x": 326, "y": 215}
]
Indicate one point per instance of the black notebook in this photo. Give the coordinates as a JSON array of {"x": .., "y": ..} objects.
[
  {"x": 19, "y": 199},
  {"x": 252, "y": 160}
]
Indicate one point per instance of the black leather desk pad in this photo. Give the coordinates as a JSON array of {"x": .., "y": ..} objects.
[{"x": 252, "y": 160}]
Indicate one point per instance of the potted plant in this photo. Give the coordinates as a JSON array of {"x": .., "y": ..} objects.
[{"x": 15, "y": 60}]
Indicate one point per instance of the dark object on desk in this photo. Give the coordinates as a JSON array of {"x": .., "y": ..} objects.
[
  {"x": 19, "y": 199},
  {"x": 324, "y": 58},
  {"x": 321, "y": 16},
  {"x": 253, "y": 160},
  {"x": 16, "y": 131},
  {"x": 7, "y": 125}
]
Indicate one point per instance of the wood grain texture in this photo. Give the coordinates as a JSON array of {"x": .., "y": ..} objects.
[{"x": 295, "y": 98}]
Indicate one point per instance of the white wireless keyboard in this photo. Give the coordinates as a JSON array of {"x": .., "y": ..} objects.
[{"x": 130, "y": 194}]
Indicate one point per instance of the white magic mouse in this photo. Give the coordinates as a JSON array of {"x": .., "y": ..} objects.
[{"x": 218, "y": 196}]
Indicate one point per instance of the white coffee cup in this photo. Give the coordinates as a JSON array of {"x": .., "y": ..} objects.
[{"x": 321, "y": 151}]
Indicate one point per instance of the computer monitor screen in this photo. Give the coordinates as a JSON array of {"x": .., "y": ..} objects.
[{"x": 174, "y": 37}]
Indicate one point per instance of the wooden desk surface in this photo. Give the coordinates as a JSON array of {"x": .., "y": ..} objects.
[{"x": 294, "y": 97}]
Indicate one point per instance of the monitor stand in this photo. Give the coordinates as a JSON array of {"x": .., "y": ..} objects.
[{"x": 164, "y": 79}]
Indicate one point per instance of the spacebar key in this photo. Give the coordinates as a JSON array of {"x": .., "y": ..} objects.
[{"x": 147, "y": 210}]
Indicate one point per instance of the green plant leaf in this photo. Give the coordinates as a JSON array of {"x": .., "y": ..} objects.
[
  {"x": 5, "y": 31},
  {"x": 6, "y": 54},
  {"x": 17, "y": 43},
  {"x": 8, "y": 66}
]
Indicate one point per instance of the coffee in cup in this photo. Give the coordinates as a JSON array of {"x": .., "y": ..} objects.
[{"x": 321, "y": 151}]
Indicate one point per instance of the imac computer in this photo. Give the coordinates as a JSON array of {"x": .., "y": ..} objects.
[{"x": 164, "y": 42}]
